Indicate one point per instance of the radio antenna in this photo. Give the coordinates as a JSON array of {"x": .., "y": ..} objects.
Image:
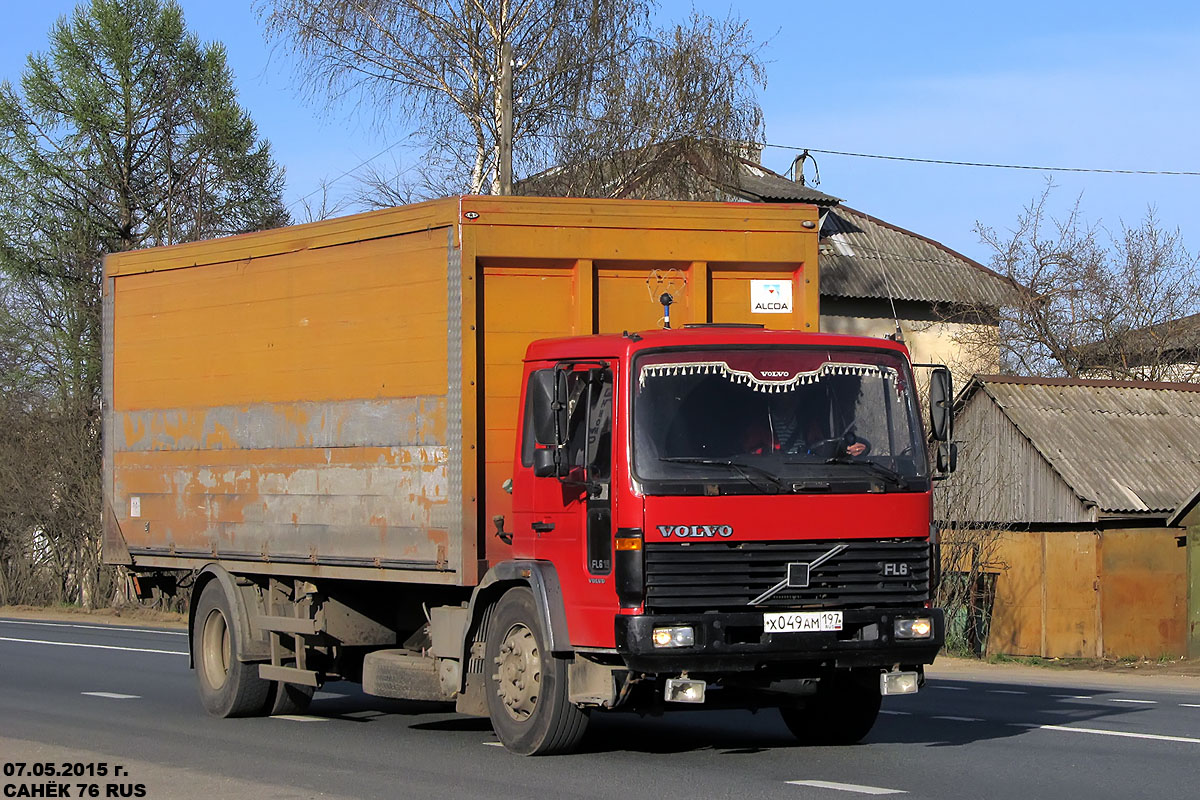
[{"x": 663, "y": 285}]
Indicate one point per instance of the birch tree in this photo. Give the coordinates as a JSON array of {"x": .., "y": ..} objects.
[{"x": 433, "y": 67}]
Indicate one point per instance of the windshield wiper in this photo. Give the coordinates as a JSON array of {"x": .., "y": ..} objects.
[
  {"x": 877, "y": 468},
  {"x": 740, "y": 467}
]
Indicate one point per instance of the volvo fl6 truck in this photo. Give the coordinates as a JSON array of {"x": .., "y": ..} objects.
[{"x": 539, "y": 458}]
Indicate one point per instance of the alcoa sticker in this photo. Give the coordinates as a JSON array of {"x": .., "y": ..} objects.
[
  {"x": 771, "y": 297},
  {"x": 695, "y": 531}
]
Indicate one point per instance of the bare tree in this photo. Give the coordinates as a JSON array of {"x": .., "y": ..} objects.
[
  {"x": 322, "y": 203},
  {"x": 684, "y": 107},
  {"x": 1094, "y": 304},
  {"x": 971, "y": 531},
  {"x": 436, "y": 65}
]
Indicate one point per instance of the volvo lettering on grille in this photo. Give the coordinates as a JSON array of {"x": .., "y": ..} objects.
[{"x": 695, "y": 531}]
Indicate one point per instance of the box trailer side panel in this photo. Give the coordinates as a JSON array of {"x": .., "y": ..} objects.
[{"x": 290, "y": 412}]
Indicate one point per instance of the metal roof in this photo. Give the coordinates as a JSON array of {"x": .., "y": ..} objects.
[
  {"x": 1124, "y": 446},
  {"x": 862, "y": 256},
  {"x": 761, "y": 184}
]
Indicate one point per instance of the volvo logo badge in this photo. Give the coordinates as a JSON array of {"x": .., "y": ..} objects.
[{"x": 798, "y": 574}]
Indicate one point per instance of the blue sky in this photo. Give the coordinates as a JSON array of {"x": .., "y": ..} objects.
[{"x": 1097, "y": 84}]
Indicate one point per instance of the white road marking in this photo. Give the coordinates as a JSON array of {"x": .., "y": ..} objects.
[
  {"x": 494, "y": 744},
  {"x": 1158, "y": 737},
  {"x": 959, "y": 719},
  {"x": 113, "y": 695},
  {"x": 1072, "y": 696},
  {"x": 1005, "y": 691},
  {"x": 1190, "y": 705},
  {"x": 896, "y": 713},
  {"x": 117, "y": 628},
  {"x": 1142, "y": 702},
  {"x": 95, "y": 646},
  {"x": 327, "y": 696},
  {"x": 300, "y": 718},
  {"x": 950, "y": 688},
  {"x": 848, "y": 787}
]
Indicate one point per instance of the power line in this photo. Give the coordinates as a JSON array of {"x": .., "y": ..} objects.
[
  {"x": 796, "y": 148},
  {"x": 984, "y": 164},
  {"x": 360, "y": 165}
]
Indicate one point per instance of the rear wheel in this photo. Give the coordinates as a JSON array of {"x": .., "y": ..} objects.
[
  {"x": 228, "y": 687},
  {"x": 842, "y": 711},
  {"x": 527, "y": 686}
]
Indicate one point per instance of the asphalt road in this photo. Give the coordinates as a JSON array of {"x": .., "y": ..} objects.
[{"x": 124, "y": 696}]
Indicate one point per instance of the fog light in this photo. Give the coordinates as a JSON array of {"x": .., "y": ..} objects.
[
  {"x": 919, "y": 628},
  {"x": 898, "y": 683},
  {"x": 683, "y": 690},
  {"x": 683, "y": 636}
]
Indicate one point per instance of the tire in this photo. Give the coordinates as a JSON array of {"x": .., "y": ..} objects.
[
  {"x": 526, "y": 686},
  {"x": 842, "y": 712},
  {"x": 228, "y": 686},
  {"x": 288, "y": 698}
]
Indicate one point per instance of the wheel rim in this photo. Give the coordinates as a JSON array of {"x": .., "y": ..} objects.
[
  {"x": 214, "y": 640},
  {"x": 519, "y": 673}
]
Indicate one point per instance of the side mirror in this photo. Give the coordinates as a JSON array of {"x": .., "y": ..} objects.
[
  {"x": 541, "y": 399},
  {"x": 947, "y": 457},
  {"x": 544, "y": 464},
  {"x": 941, "y": 404}
]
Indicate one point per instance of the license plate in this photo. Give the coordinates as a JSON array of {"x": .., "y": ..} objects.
[{"x": 802, "y": 621}]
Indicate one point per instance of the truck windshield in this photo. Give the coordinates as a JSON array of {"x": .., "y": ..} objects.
[{"x": 779, "y": 419}]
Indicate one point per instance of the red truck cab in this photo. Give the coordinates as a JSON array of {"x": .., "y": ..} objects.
[{"x": 729, "y": 499}]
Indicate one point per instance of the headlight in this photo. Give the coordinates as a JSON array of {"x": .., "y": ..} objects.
[
  {"x": 919, "y": 628},
  {"x": 684, "y": 636}
]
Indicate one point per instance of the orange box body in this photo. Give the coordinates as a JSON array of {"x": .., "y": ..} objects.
[{"x": 339, "y": 399}]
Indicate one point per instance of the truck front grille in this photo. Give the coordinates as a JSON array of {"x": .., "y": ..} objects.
[{"x": 716, "y": 576}]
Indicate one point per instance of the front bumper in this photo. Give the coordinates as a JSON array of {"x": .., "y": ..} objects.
[{"x": 736, "y": 642}]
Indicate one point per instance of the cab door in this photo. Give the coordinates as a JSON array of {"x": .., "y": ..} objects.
[{"x": 566, "y": 519}]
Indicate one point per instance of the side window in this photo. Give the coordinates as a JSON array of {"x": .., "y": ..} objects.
[
  {"x": 578, "y": 401},
  {"x": 589, "y": 422},
  {"x": 599, "y": 434}
]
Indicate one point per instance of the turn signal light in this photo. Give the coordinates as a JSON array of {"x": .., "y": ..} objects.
[
  {"x": 682, "y": 636},
  {"x": 632, "y": 543}
]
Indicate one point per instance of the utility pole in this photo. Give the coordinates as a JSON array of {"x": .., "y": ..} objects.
[{"x": 506, "y": 125}]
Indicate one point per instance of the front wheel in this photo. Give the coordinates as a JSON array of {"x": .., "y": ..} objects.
[
  {"x": 526, "y": 685},
  {"x": 842, "y": 711}
]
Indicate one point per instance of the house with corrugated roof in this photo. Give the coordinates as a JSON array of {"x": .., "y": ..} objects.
[
  {"x": 873, "y": 275},
  {"x": 1070, "y": 486}
]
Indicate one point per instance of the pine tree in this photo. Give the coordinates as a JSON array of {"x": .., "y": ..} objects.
[{"x": 126, "y": 133}]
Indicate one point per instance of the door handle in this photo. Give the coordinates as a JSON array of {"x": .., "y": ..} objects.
[{"x": 542, "y": 527}]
